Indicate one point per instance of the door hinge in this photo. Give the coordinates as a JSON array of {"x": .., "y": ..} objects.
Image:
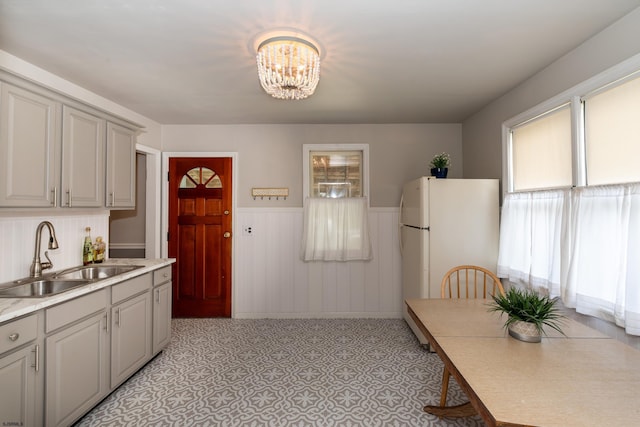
[
  {"x": 167, "y": 176},
  {"x": 167, "y": 236}
]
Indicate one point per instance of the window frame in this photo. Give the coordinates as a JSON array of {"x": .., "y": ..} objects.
[{"x": 307, "y": 149}]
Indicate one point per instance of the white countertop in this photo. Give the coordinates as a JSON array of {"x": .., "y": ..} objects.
[{"x": 11, "y": 308}]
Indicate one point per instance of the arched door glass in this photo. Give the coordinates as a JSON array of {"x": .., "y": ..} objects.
[{"x": 200, "y": 176}]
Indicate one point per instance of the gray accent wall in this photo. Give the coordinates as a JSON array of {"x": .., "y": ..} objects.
[
  {"x": 481, "y": 132},
  {"x": 271, "y": 155}
]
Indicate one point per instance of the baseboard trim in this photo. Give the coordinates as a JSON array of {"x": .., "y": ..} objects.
[{"x": 323, "y": 315}]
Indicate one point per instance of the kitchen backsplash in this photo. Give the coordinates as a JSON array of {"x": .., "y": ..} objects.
[{"x": 17, "y": 241}]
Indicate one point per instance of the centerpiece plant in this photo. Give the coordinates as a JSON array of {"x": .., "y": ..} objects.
[{"x": 528, "y": 313}]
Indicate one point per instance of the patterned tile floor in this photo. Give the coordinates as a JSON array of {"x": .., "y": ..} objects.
[{"x": 301, "y": 373}]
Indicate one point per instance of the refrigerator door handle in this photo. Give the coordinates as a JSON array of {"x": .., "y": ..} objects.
[{"x": 400, "y": 242}]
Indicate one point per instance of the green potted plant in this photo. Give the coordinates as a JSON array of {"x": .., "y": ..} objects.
[
  {"x": 527, "y": 313},
  {"x": 440, "y": 165}
]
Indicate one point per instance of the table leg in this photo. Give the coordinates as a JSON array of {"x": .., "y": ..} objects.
[{"x": 457, "y": 411}]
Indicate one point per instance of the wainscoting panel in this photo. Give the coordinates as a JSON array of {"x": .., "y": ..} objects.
[{"x": 271, "y": 281}]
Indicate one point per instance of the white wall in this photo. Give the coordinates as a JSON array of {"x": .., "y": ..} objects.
[{"x": 481, "y": 133}]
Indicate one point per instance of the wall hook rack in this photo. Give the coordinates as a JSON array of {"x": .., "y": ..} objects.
[{"x": 270, "y": 192}]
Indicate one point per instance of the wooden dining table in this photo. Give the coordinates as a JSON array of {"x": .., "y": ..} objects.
[{"x": 582, "y": 378}]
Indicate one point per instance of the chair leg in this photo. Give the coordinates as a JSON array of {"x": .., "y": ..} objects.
[{"x": 445, "y": 387}]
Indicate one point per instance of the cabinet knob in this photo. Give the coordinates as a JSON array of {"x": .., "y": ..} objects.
[
  {"x": 14, "y": 336},
  {"x": 226, "y": 235}
]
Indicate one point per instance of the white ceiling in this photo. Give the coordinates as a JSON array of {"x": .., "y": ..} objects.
[{"x": 384, "y": 61}]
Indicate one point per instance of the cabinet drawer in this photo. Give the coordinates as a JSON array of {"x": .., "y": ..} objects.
[
  {"x": 162, "y": 275},
  {"x": 130, "y": 288},
  {"x": 18, "y": 332},
  {"x": 75, "y": 309}
]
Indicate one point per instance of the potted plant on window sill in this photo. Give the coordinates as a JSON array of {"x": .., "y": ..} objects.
[
  {"x": 440, "y": 165},
  {"x": 527, "y": 313}
]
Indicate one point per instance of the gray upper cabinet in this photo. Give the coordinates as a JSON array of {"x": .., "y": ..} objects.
[
  {"x": 29, "y": 148},
  {"x": 83, "y": 159},
  {"x": 57, "y": 152},
  {"x": 121, "y": 167}
]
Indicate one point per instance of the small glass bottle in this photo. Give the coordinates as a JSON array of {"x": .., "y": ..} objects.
[
  {"x": 99, "y": 249},
  {"x": 87, "y": 248}
]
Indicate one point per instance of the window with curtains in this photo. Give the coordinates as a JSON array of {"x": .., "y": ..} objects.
[
  {"x": 575, "y": 232},
  {"x": 336, "y": 206}
]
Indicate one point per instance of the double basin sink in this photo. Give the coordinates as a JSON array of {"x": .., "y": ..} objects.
[{"x": 62, "y": 281}]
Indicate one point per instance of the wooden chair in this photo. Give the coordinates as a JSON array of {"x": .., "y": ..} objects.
[{"x": 466, "y": 281}]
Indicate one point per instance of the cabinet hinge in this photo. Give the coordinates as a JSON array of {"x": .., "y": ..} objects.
[
  {"x": 167, "y": 236},
  {"x": 167, "y": 176}
]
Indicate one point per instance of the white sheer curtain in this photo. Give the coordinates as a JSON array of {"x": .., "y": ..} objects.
[
  {"x": 530, "y": 239},
  {"x": 336, "y": 229},
  {"x": 583, "y": 245},
  {"x": 603, "y": 277}
]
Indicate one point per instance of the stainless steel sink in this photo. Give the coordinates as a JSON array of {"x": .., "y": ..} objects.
[
  {"x": 95, "y": 272},
  {"x": 40, "y": 288},
  {"x": 62, "y": 281}
]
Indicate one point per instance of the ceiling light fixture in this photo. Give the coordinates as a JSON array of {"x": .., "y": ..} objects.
[{"x": 288, "y": 66}]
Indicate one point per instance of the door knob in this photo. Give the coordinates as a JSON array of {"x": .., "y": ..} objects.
[{"x": 226, "y": 234}]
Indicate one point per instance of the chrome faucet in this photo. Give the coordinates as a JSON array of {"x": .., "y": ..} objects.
[{"x": 36, "y": 265}]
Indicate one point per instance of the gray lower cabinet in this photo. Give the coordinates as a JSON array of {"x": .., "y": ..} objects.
[
  {"x": 58, "y": 363},
  {"x": 20, "y": 373},
  {"x": 130, "y": 337},
  {"x": 161, "y": 308},
  {"x": 77, "y": 358}
]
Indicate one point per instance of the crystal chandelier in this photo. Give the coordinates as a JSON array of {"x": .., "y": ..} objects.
[{"x": 288, "y": 67}]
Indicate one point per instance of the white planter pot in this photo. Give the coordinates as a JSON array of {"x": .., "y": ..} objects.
[{"x": 524, "y": 331}]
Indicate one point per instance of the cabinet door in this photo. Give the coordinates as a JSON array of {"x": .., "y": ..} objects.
[
  {"x": 121, "y": 167},
  {"x": 83, "y": 152},
  {"x": 29, "y": 148},
  {"x": 130, "y": 337},
  {"x": 77, "y": 364},
  {"x": 18, "y": 398},
  {"x": 161, "y": 316}
]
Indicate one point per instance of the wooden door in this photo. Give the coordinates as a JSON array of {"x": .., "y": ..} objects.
[{"x": 200, "y": 236}]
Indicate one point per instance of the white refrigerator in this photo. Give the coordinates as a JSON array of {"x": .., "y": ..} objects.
[{"x": 445, "y": 223}]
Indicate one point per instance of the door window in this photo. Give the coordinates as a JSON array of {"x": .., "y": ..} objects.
[{"x": 200, "y": 176}]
